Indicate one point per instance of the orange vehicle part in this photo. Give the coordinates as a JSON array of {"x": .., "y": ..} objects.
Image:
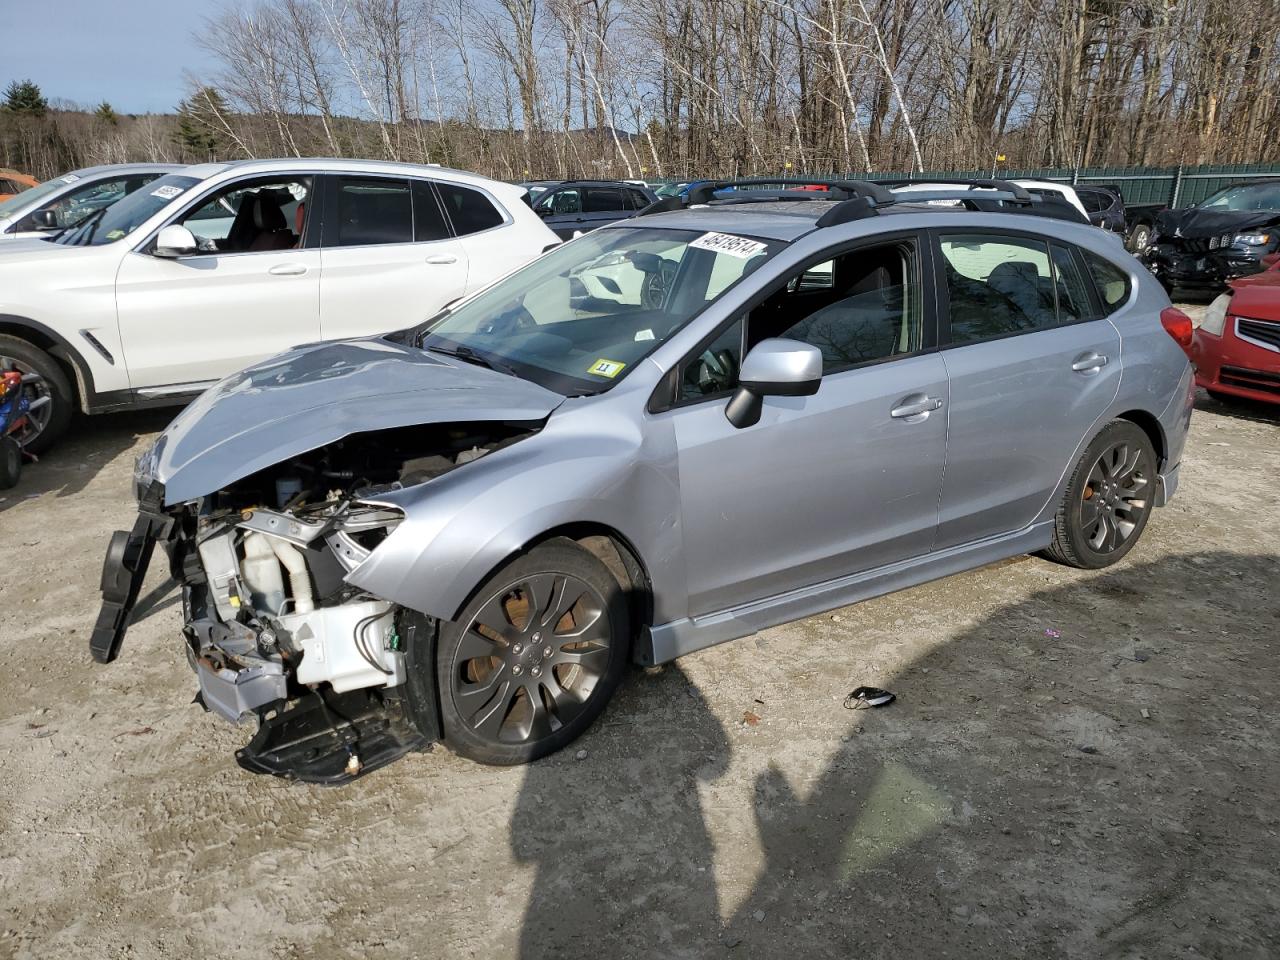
[{"x": 12, "y": 182}]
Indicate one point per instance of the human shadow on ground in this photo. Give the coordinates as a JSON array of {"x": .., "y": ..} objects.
[
  {"x": 1087, "y": 772},
  {"x": 76, "y": 458}
]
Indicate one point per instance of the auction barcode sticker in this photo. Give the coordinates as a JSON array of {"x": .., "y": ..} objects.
[
  {"x": 739, "y": 247},
  {"x": 70, "y": 178},
  {"x": 166, "y": 192}
]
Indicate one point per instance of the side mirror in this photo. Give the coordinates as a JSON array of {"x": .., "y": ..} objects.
[
  {"x": 774, "y": 368},
  {"x": 175, "y": 241},
  {"x": 46, "y": 219}
]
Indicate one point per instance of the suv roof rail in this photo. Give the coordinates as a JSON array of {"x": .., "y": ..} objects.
[
  {"x": 859, "y": 198},
  {"x": 865, "y": 198},
  {"x": 1018, "y": 191}
]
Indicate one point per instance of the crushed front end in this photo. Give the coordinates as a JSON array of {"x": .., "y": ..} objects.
[{"x": 272, "y": 629}]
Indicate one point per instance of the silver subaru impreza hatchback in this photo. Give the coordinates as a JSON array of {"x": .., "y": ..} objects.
[{"x": 731, "y": 411}]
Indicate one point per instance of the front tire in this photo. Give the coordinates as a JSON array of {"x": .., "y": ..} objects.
[
  {"x": 1108, "y": 500},
  {"x": 534, "y": 656},
  {"x": 50, "y": 421}
]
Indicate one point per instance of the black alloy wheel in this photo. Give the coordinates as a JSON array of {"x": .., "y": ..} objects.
[
  {"x": 1108, "y": 499},
  {"x": 534, "y": 657}
]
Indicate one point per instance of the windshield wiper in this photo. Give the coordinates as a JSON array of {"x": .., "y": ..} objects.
[
  {"x": 89, "y": 223},
  {"x": 467, "y": 355}
]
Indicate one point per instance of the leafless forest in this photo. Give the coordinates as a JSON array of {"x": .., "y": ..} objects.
[{"x": 671, "y": 88}]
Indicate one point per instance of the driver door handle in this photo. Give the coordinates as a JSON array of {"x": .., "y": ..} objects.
[
  {"x": 1089, "y": 363},
  {"x": 441, "y": 259},
  {"x": 288, "y": 269},
  {"x": 915, "y": 407}
]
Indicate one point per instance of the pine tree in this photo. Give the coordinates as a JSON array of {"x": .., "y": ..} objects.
[
  {"x": 23, "y": 96},
  {"x": 198, "y": 124},
  {"x": 107, "y": 114}
]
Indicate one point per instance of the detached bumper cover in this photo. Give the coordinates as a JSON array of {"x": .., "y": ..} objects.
[{"x": 123, "y": 570}]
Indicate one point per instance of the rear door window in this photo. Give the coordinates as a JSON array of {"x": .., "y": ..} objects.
[
  {"x": 602, "y": 200},
  {"x": 1072, "y": 288},
  {"x": 470, "y": 211},
  {"x": 374, "y": 211},
  {"x": 996, "y": 286},
  {"x": 428, "y": 218}
]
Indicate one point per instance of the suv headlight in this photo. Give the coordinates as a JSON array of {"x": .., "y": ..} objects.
[
  {"x": 1215, "y": 317},
  {"x": 1253, "y": 239}
]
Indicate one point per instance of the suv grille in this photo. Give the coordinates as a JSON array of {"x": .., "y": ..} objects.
[{"x": 1259, "y": 330}]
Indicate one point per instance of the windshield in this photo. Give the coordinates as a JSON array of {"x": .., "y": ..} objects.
[
  {"x": 113, "y": 223},
  {"x": 1257, "y": 196},
  {"x": 21, "y": 201},
  {"x": 581, "y": 317}
]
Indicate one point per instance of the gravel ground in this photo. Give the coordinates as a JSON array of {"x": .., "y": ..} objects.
[{"x": 1078, "y": 765}]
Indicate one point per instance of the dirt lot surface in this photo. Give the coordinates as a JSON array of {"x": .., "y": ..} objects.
[{"x": 1078, "y": 765}]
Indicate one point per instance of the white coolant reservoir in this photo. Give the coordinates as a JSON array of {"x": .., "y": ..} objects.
[
  {"x": 261, "y": 573},
  {"x": 328, "y": 639}
]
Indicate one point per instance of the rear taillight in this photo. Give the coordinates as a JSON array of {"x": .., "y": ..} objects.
[{"x": 1178, "y": 325}]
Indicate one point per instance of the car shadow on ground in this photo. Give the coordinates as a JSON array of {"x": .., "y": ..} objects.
[
  {"x": 89, "y": 445},
  {"x": 1239, "y": 408},
  {"x": 1100, "y": 787}
]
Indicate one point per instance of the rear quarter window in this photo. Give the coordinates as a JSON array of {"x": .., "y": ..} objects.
[
  {"x": 1112, "y": 283},
  {"x": 469, "y": 210}
]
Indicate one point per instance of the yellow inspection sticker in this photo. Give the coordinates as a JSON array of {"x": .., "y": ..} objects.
[{"x": 606, "y": 368}]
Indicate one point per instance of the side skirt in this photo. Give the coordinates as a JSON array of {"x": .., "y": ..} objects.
[{"x": 667, "y": 641}]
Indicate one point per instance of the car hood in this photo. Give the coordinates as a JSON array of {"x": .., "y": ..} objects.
[
  {"x": 1257, "y": 296},
  {"x": 319, "y": 393},
  {"x": 1196, "y": 223},
  {"x": 31, "y": 249}
]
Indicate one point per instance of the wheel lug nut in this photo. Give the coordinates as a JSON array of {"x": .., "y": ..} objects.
[
  {"x": 517, "y": 669},
  {"x": 536, "y": 671},
  {"x": 517, "y": 648},
  {"x": 546, "y": 651},
  {"x": 537, "y": 638}
]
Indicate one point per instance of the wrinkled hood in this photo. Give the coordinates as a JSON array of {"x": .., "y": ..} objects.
[
  {"x": 1201, "y": 223},
  {"x": 319, "y": 393}
]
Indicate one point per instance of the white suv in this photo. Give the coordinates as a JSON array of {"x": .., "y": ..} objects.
[{"x": 209, "y": 269}]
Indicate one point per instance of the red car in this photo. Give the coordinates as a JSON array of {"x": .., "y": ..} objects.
[{"x": 1236, "y": 348}]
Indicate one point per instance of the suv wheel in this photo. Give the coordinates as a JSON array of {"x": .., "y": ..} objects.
[
  {"x": 48, "y": 421},
  {"x": 1108, "y": 500},
  {"x": 1139, "y": 238},
  {"x": 534, "y": 657}
]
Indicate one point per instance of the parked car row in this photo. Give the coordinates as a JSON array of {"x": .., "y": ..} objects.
[
  {"x": 633, "y": 447},
  {"x": 204, "y": 270}
]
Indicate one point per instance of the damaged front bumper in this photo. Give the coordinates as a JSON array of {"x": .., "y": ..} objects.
[
  {"x": 273, "y": 632},
  {"x": 1207, "y": 270}
]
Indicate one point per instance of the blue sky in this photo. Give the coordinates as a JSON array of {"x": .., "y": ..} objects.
[{"x": 132, "y": 53}]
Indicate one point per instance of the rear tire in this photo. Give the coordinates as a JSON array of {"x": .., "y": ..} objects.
[
  {"x": 16, "y": 354},
  {"x": 1108, "y": 499},
  {"x": 1139, "y": 238},
  {"x": 534, "y": 656}
]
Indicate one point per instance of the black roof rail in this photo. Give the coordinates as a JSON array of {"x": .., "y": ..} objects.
[
  {"x": 1018, "y": 191},
  {"x": 859, "y": 198},
  {"x": 844, "y": 189}
]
